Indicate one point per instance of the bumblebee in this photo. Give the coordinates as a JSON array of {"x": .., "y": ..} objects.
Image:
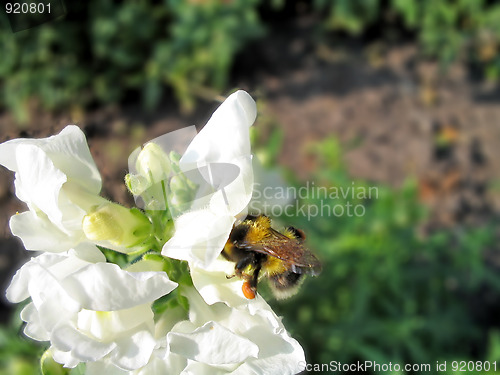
[{"x": 261, "y": 251}]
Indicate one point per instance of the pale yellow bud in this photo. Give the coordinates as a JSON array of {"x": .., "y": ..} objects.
[{"x": 117, "y": 224}]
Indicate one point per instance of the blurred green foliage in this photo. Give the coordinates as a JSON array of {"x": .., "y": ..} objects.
[
  {"x": 104, "y": 48},
  {"x": 387, "y": 294},
  {"x": 18, "y": 354},
  {"x": 446, "y": 30}
]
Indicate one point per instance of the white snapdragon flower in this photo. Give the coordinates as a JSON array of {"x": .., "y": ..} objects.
[
  {"x": 218, "y": 339},
  {"x": 89, "y": 310},
  {"x": 95, "y": 312},
  {"x": 202, "y": 231},
  {"x": 50, "y": 174},
  {"x": 220, "y": 149},
  {"x": 59, "y": 181}
]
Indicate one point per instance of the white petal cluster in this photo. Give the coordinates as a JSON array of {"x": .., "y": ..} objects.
[
  {"x": 221, "y": 147},
  {"x": 218, "y": 339},
  {"x": 59, "y": 181},
  {"x": 89, "y": 309},
  {"x": 94, "y": 312}
]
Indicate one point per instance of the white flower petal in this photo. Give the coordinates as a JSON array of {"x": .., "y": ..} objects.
[
  {"x": 210, "y": 343},
  {"x": 88, "y": 253},
  {"x": 199, "y": 238},
  {"x": 105, "y": 325},
  {"x": 33, "y": 327},
  {"x": 67, "y": 264},
  {"x": 106, "y": 287},
  {"x": 244, "y": 369},
  {"x": 35, "y": 280},
  {"x": 40, "y": 279},
  {"x": 17, "y": 291},
  {"x": 235, "y": 196},
  {"x": 103, "y": 367},
  {"x": 41, "y": 181},
  {"x": 67, "y": 339},
  {"x": 65, "y": 358},
  {"x": 197, "y": 368},
  {"x": 66, "y": 150},
  {"x": 54, "y": 310},
  {"x": 133, "y": 352},
  {"x": 234, "y": 116},
  {"x": 280, "y": 354},
  {"x": 169, "y": 364},
  {"x": 262, "y": 309},
  {"x": 39, "y": 233},
  {"x": 214, "y": 285},
  {"x": 210, "y": 149}
]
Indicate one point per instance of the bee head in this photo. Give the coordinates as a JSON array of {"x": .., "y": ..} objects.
[{"x": 239, "y": 233}]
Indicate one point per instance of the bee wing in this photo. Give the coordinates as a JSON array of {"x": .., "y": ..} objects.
[
  {"x": 313, "y": 269},
  {"x": 300, "y": 259}
]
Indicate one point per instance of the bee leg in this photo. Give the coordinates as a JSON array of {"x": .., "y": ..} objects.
[
  {"x": 230, "y": 277},
  {"x": 255, "y": 277},
  {"x": 249, "y": 287},
  {"x": 243, "y": 263}
]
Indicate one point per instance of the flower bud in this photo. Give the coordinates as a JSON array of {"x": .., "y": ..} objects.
[
  {"x": 136, "y": 184},
  {"x": 153, "y": 163},
  {"x": 175, "y": 159},
  {"x": 177, "y": 183},
  {"x": 119, "y": 225},
  {"x": 148, "y": 184}
]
